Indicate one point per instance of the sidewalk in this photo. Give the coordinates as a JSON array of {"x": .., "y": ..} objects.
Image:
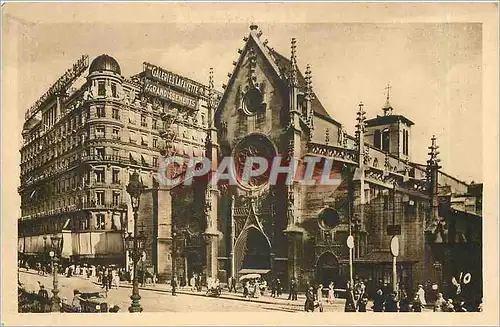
[{"x": 264, "y": 299}]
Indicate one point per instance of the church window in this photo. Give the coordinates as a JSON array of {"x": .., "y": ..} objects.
[
  {"x": 376, "y": 139},
  {"x": 385, "y": 140},
  {"x": 328, "y": 218}
]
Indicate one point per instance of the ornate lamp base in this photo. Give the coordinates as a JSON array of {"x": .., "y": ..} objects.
[{"x": 136, "y": 306}]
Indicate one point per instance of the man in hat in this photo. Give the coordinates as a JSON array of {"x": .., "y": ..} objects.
[
  {"x": 44, "y": 298},
  {"x": 309, "y": 304}
]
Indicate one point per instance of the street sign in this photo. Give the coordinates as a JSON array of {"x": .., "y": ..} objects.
[
  {"x": 393, "y": 230},
  {"x": 350, "y": 242},
  {"x": 395, "y": 246}
]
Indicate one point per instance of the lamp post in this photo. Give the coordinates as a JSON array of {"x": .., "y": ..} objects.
[
  {"x": 44, "y": 263},
  {"x": 134, "y": 189},
  {"x": 56, "y": 307}
]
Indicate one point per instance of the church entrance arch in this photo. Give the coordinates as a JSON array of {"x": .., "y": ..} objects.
[
  {"x": 327, "y": 269},
  {"x": 252, "y": 252}
]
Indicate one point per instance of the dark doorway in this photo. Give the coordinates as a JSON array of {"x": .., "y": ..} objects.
[
  {"x": 194, "y": 264},
  {"x": 327, "y": 269},
  {"x": 258, "y": 253}
]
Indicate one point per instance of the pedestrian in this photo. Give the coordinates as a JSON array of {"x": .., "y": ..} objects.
[
  {"x": 174, "y": 286},
  {"x": 43, "y": 298},
  {"x": 76, "y": 303},
  {"x": 104, "y": 280},
  {"x": 109, "y": 279},
  {"x": 363, "y": 302},
  {"x": 256, "y": 289},
  {"x": 379, "y": 301},
  {"x": 279, "y": 288},
  {"x": 295, "y": 288},
  {"x": 391, "y": 305},
  {"x": 246, "y": 290},
  {"x": 440, "y": 303},
  {"x": 460, "y": 307},
  {"x": 319, "y": 298},
  {"x": 404, "y": 303},
  {"x": 421, "y": 294},
  {"x": 331, "y": 293},
  {"x": 350, "y": 302},
  {"x": 233, "y": 284},
  {"x": 309, "y": 304},
  {"x": 416, "y": 305},
  {"x": 273, "y": 288},
  {"x": 448, "y": 306}
]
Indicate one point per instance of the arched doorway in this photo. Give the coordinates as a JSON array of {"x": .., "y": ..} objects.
[
  {"x": 327, "y": 269},
  {"x": 252, "y": 251}
]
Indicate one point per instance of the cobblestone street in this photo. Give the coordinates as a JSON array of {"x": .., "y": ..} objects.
[{"x": 159, "y": 298}]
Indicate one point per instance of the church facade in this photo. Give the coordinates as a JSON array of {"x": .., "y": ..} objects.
[{"x": 285, "y": 230}]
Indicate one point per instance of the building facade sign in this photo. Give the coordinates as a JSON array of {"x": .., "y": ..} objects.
[
  {"x": 169, "y": 78},
  {"x": 61, "y": 84},
  {"x": 169, "y": 94}
]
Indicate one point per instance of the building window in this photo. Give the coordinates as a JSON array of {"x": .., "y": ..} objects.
[
  {"x": 99, "y": 175},
  {"x": 116, "y": 113},
  {"x": 100, "y": 112},
  {"x": 116, "y": 134},
  {"x": 113, "y": 90},
  {"x": 144, "y": 121},
  {"x": 144, "y": 139},
  {"x": 155, "y": 143},
  {"x": 155, "y": 161},
  {"x": 155, "y": 123},
  {"x": 100, "y": 153},
  {"x": 99, "y": 198},
  {"x": 405, "y": 142},
  {"x": 385, "y": 140},
  {"x": 115, "y": 176},
  {"x": 132, "y": 137},
  {"x": 376, "y": 139},
  {"x": 116, "y": 198},
  {"x": 203, "y": 120},
  {"x": 100, "y": 132},
  {"x": 100, "y": 221},
  {"x": 116, "y": 154},
  {"x": 101, "y": 88},
  {"x": 84, "y": 223},
  {"x": 131, "y": 117}
]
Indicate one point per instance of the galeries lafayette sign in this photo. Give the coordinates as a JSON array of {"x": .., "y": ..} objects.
[
  {"x": 169, "y": 78},
  {"x": 169, "y": 94}
]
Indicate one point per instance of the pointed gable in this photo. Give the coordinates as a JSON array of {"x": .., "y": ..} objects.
[{"x": 280, "y": 65}]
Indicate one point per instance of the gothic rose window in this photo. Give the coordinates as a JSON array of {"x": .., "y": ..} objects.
[
  {"x": 328, "y": 218},
  {"x": 253, "y": 146}
]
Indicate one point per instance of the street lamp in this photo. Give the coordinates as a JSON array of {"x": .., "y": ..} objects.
[
  {"x": 55, "y": 298},
  {"x": 134, "y": 189}
]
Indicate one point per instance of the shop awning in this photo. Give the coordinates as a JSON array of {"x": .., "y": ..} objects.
[{"x": 254, "y": 271}]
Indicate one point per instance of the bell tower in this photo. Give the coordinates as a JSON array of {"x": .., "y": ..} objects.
[{"x": 390, "y": 132}]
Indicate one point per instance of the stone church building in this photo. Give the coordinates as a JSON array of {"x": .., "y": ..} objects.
[{"x": 269, "y": 108}]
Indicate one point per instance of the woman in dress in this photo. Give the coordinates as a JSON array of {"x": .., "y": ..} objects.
[{"x": 331, "y": 293}]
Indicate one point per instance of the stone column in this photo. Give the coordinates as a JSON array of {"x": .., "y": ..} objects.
[{"x": 164, "y": 244}]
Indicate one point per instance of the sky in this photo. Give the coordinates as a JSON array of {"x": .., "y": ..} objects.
[{"x": 434, "y": 69}]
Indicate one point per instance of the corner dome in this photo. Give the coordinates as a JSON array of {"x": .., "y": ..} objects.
[{"x": 105, "y": 63}]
